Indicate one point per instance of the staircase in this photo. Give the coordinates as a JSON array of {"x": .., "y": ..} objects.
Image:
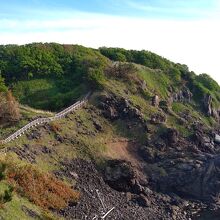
[{"x": 39, "y": 121}]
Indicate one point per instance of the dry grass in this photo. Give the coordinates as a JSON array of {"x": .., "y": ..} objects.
[
  {"x": 41, "y": 188},
  {"x": 55, "y": 127}
]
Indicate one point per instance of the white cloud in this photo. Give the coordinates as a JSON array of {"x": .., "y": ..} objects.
[{"x": 195, "y": 43}]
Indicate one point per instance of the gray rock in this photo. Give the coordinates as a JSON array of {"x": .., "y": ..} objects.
[
  {"x": 184, "y": 95},
  {"x": 217, "y": 139},
  {"x": 155, "y": 101}
]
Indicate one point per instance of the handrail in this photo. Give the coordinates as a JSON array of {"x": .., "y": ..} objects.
[{"x": 38, "y": 121}]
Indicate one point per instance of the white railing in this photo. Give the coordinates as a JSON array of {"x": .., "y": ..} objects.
[{"x": 39, "y": 121}]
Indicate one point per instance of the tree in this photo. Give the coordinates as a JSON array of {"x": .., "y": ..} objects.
[
  {"x": 9, "y": 107},
  {"x": 12, "y": 107}
]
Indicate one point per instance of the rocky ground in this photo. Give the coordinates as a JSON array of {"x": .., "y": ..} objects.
[
  {"x": 166, "y": 177},
  {"x": 136, "y": 202}
]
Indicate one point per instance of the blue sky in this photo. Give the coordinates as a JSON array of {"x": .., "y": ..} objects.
[
  {"x": 185, "y": 31},
  {"x": 178, "y": 9}
]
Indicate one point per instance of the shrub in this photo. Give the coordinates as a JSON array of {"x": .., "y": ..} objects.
[
  {"x": 121, "y": 70},
  {"x": 8, "y": 194},
  {"x": 9, "y": 107},
  {"x": 2, "y": 170},
  {"x": 55, "y": 127},
  {"x": 43, "y": 189},
  {"x": 95, "y": 77}
]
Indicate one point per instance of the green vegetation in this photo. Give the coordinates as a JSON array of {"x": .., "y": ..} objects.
[
  {"x": 51, "y": 77},
  {"x": 163, "y": 74},
  {"x": 20, "y": 179}
]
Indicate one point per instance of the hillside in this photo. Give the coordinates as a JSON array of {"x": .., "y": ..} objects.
[{"x": 145, "y": 146}]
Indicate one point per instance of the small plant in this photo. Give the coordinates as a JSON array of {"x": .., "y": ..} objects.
[
  {"x": 8, "y": 194},
  {"x": 2, "y": 170},
  {"x": 43, "y": 189},
  {"x": 54, "y": 127}
]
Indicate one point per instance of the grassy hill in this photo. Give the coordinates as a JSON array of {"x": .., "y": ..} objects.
[{"x": 121, "y": 111}]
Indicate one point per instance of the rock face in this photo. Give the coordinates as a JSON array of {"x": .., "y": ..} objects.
[
  {"x": 197, "y": 179},
  {"x": 203, "y": 141},
  {"x": 172, "y": 135},
  {"x": 217, "y": 139},
  {"x": 158, "y": 118},
  {"x": 114, "y": 108},
  {"x": 208, "y": 104},
  {"x": 143, "y": 85},
  {"x": 155, "y": 101},
  {"x": 119, "y": 175},
  {"x": 209, "y": 109},
  {"x": 184, "y": 95}
]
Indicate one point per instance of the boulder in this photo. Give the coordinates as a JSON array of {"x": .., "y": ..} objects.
[
  {"x": 183, "y": 95},
  {"x": 172, "y": 135},
  {"x": 143, "y": 85},
  {"x": 120, "y": 175},
  {"x": 158, "y": 118},
  {"x": 209, "y": 108},
  {"x": 114, "y": 108},
  {"x": 217, "y": 139},
  {"x": 97, "y": 125},
  {"x": 143, "y": 201},
  {"x": 208, "y": 104},
  {"x": 155, "y": 101},
  {"x": 35, "y": 134}
]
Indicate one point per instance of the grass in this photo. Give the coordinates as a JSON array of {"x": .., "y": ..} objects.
[
  {"x": 82, "y": 140},
  {"x": 14, "y": 208},
  {"x": 157, "y": 82},
  {"x": 41, "y": 188},
  {"x": 48, "y": 94}
]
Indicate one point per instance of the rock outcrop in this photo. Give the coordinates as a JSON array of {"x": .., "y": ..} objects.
[
  {"x": 158, "y": 118},
  {"x": 155, "y": 101},
  {"x": 217, "y": 139},
  {"x": 208, "y": 107},
  {"x": 119, "y": 175},
  {"x": 183, "y": 95},
  {"x": 114, "y": 108},
  {"x": 208, "y": 104},
  {"x": 195, "y": 178}
]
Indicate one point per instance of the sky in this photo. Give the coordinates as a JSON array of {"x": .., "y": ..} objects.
[{"x": 184, "y": 31}]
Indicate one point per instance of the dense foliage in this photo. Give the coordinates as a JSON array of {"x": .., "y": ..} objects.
[
  {"x": 51, "y": 76},
  {"x": 176, "y": 74},
  {"x": 143, "y": 57}
]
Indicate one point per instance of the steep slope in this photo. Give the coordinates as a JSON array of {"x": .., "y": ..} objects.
[{"x": 145, "y": 146}]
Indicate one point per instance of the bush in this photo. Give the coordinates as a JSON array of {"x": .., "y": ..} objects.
[
  {"x": 43, "y": 189},
  {"x": 9, "y": 107},
  {"x": 95, "y": 77},
  {"x": 121, "y": 70},
  {"x": 55, "y": 127},
  {"x": 2, "y": 170},
  {"x": 3, "y": 87},
  {"x": 8, "y": 194}
]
